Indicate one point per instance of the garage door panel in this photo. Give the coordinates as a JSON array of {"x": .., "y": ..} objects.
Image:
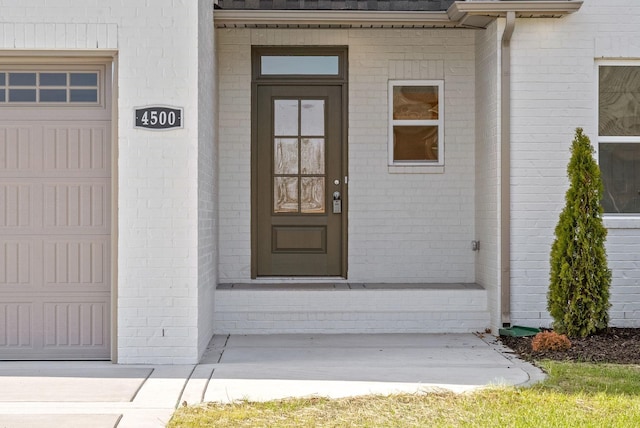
[
  {"x": 19, "y": 264},
  {"x": 76, "y": 206},
  {"x": 56, "y": 149},
  {"x": 76, "y": 324},
  {"x": 70, "y": 149},
  {"x": 73, "y": 264},
  {"x": 16, "y": 325},
  {"x": 20, "y": 149},
  {"x": 18, "y": 205}
]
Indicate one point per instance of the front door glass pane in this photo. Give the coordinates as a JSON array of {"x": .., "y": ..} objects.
[
  {"x": 285, "y": 117},
  {"x": 312, "y": 195},
  {"x": 312, "y": 156},
  {"x": 312, "y": 117},
  {"x": 286, "y": 156},
  {"x": 285, "y": 191}
]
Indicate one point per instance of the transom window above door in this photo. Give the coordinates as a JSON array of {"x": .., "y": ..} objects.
[
  {"x": 300, "y": 64},
  {"x": 273, "y": 63},
  {"x": 416, "y": 123}
]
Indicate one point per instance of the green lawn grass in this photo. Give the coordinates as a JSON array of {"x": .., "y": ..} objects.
[{"x": 574, "y": 395}]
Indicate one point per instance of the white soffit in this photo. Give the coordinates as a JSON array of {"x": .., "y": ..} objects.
[
  {"x": 461, "y": 14},
  {"x": 480, "y": 13}
]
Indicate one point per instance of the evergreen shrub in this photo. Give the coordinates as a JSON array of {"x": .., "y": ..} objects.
[{"x": 578, "y": 297}]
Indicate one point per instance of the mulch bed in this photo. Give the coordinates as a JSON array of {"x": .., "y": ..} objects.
[{"x": 614, "y": 345}]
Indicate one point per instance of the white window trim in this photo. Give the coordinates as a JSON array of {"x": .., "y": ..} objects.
[
  {"x": 439, "y": 123},
  {"x": 613, "y": 220}
]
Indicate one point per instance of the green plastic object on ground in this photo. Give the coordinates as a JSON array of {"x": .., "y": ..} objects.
[{"x": 519, "y": 331}]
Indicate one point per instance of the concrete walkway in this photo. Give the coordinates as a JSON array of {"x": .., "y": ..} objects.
[{"x": 100, "y": 394}]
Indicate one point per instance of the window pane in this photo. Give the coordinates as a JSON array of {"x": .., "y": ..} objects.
[
  {"x": 620, "y": 168},
  {"x": 415, "y": 143},
  {"x": 22, "y": 95},
  {"x": 84, "y": 79},
  {"x": 285, "y": 156},
  {"x": 2, "y": 96},
  {"x": 312, "y": 156},
  {"x": 84, "y": 95},
  {"x": 619, "y": 101},
  {"x": 53, "y": 95},
  {"x": 53, "y": 79},
  {"x": 285, "y": 195},
  {"x": 2, "y": 79},
  {"x": 312, "y": 117},
  {"x": 415, "y": 103},
  {"x": 285, "y": 117},
  {"x": 312, "y": 195},
  {"x": 22, "y": 79},
  {"x": 299, "y": 64}
]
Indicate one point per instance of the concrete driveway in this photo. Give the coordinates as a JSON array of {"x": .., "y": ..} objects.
[{"x": 101, "y": 394}]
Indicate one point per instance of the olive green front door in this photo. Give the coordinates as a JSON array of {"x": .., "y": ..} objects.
[{"x": 298, "y": 181}]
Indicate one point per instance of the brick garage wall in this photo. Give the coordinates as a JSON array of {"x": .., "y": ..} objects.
[
  {"x": 403, "y": 227},
  {"x": 158, "y": 250},
  {"x": 555, "y": 91}
]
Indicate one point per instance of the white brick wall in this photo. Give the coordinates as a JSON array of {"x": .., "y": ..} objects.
[
  {"x": 57, "y": 35},
  {"x": 158, "y": 177},
  {"x": 554, "y": 91},
  {"x": 234, "y": 148},
  {"x": 402, "y": 227},
  {"x": 488, "y": 167},
  {"x": 207, "y": 175}
]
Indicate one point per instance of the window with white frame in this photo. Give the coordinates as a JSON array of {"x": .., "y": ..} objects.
[
  {"x": 416, "y": 122},
  {"x": 619, "y": 136}
]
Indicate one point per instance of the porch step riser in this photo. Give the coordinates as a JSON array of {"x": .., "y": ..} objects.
[{"x": 350, "y": 311}]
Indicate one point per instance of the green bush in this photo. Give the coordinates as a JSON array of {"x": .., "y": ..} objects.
[{"x": 578, "y": 298}]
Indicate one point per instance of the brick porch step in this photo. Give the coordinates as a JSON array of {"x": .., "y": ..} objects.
[{"x": 350, "y": 308}]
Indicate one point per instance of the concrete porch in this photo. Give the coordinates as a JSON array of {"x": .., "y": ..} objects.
[{"x": 350, "y": 308}]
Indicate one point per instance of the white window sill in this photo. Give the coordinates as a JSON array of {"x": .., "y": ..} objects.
[
  {"x": 416, "y": 169},
  {"x": 621, "y": 222}
]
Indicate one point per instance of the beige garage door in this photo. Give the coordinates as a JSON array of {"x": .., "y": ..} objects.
[{"x": 55, "y": 196}]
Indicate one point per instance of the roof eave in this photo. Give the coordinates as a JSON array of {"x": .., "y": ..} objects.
[
  {"x": 460, "y": 10},
  {"x": 461, "y": 14},
  {"x": 329, "y": 18}
]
